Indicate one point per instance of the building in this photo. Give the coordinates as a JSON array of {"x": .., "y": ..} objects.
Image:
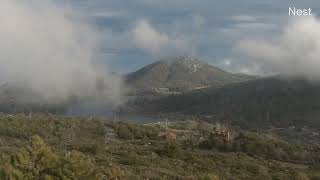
[
  {"x": 168, "y": 136},
  {"x": 161, "y": 90}
]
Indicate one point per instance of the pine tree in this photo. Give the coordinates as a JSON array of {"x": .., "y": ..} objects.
[{"x": 39, "y": 162}]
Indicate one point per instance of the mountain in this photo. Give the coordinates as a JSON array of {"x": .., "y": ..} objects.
[
  {"x": 272, "y": 101},
  {"x": 181, "y": 74}
]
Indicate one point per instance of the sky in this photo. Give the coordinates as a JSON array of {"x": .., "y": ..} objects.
[
  {"x": 65, "y": 48},
  {"x": 134, "y": 33}
]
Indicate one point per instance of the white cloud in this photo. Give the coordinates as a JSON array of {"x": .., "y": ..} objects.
[
  {"x": 157, "y": 43},
  {"x": 148, "y": 38},
  {"x": 295, "y": 52},
  {"x": 227, "y": 62},
  {"x": 46, "y": 51}
]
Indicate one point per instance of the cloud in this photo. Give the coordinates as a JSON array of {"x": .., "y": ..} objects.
[
  {"x": 199, "y": 22},
  {"x": 42, "y": 48},
  {"x": 109, "y": 14},
  {"x": 156, "y": 43},
  {"x": 245, "y": 18},
  {"x": 148, "y": 38},
  {"x": 227, "y": 62},
  {"x": 295, "y": 51}
]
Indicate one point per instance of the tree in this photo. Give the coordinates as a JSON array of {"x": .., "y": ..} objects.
[
  {"x": 80, "y": 167},
  {"x": 124, "y": 132},
  {"x": 171, "y": 149},
  {"x": 38, "y": 161}
]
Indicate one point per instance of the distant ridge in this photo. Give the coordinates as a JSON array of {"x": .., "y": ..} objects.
[{"x": 271, "y": 101}]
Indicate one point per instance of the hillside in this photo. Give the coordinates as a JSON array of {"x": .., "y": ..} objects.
[
  {"x": 273, "y": 101},
  {"x": 51, "y": 147},
  {"x": 181, "y": 74}
]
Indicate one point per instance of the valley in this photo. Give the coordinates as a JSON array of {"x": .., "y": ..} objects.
[
  {"x": 181, "y": 119},
  {"x": 159, "y": 90}
]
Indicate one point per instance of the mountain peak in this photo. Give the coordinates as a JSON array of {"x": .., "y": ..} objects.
[
  {"x": 190, "y": 64},
  {"x": 182, "y": 74}
]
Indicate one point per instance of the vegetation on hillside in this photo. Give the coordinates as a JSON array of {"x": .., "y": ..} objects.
[
  {"x": 260, "y": 103},
  {"x": 50, "y": 147}
]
